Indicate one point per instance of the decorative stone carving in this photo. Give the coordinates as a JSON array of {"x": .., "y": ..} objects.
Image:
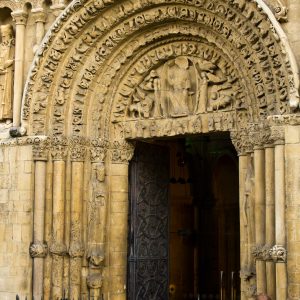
[
  {"x": 77, "y": 147},
  {"x": 257, "y": 252},
  {"x": 38, "y": 249},
  {"x": 241, "y": 141},
  {"x": 121, "y": 151},
  {"x": 259, "y": 134},
  {"x": 59, "y": 149},
  {"x": 95, "y": 281},
  {"x": 76, "y": 249},
  {"x": 266, "y": 253},
  {"x": 41, "y": 149},
  {"x": 95, "y": 258},
  {"x": 98, "y": 149},
  {"x": 279, "y": 9},
  {"x": 7, "y": 54},
  {"x": 58, "y": 249},
  {"x": 278, "y": 253}
]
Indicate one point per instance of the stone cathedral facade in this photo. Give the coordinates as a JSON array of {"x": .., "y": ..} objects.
[{"x": 85, "y": 85}]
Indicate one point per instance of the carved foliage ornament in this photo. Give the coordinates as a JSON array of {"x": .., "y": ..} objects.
[
  {"x": 278, "y": 254},
  {"x": 121, "y": 151}
]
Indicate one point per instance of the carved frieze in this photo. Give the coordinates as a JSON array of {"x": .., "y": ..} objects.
[{"x": 38, "y": 249}]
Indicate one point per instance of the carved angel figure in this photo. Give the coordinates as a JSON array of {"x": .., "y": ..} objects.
[{"x": 7, "y": 52}]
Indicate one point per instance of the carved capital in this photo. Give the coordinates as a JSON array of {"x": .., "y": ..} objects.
[
  {"x": 241, "y": 142},
  {"x": 94, "y": 281},
  {"x": 76, "y": 249},
  {"x": 278, "y": 134},
  {"x": 39, "y": 15},
  {"x": 41, "y": 149},
  {"x": 59, "y": 148},
  {"x": 121, "y": 151},
  {"x": 59, "y": 249},
  {"x": 38, "y": 249},
  {"x": 77, "y": 147},
  {"x": 259, "y": 134},
  {"x": 278, "y": 253},
  {"x": 19, "y": 17},
  {"x": 266, "y": 253},
  {"x": 98, "y": 149}
]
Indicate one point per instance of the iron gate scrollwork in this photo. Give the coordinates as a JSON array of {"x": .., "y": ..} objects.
[{"x": 148, "y": 223}]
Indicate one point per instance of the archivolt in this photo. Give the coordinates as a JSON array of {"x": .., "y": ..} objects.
[{"x": 96, "y": 48}]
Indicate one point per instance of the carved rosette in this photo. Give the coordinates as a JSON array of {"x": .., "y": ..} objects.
[
  {"x": 77, "y": 146},
  {"x": 98, "y": 149},
  {"x": 121, "y": 151},
  {"x": 59, "y": 148},
  {"x": 58, "y": 249},
  {"x": 278, "y": 253},
  {"x": 76, "y": 250},
  {"x": 41, "y": 149},
  {"x": 38, "y": 249},
  {"x": 95, "y": 281}
]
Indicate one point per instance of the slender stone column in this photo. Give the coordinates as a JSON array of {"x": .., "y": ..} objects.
[
  {"x": 40, "y": 19},
  {"x": 281, "y": 271},
  {"x": 122, "y": 152},
  {"x": 270, "y": 219},
  {"x": 20, "y": 19},
  {"x": 76, "y": 249},
  {"x": 39, "y": 249},
  {"x": 260, "y": 214},
  {"x": 58, "y": 247}
]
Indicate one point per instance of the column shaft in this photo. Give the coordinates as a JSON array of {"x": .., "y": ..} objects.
[
  {"x": 20, "y": 18},
  {"x": 260, "y": 214},
  {"x": 58, "y": 228},
  {"x": 38, "y": 227},
  {"x": 76, "y": 248},
  {"x": 270, "y": 218},
  {"x": 281, "y": 272}
]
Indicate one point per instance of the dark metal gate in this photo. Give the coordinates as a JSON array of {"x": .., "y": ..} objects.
[{"x": 148, "y": 222}]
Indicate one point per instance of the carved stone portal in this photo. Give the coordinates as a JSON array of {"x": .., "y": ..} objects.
[
  {"x": 180, "y": 87},
  {"x": 7, "y": 52}
]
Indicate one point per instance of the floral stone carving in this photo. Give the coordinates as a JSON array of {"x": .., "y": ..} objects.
[{"x": 38, "y": 249}]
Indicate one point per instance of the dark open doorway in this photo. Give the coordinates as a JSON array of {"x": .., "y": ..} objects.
[{"x": 184, "y": 220}]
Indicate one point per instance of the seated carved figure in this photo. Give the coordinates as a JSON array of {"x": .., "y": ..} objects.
[{"x": 6, "y": 71}]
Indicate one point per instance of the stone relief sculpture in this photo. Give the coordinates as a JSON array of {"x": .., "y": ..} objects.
[
  {"x": 248, "y": 220},
  {"x": 7, "y": 51},
  {"x": 181, "y": 87}
]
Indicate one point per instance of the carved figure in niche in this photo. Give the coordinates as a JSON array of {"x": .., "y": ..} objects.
[
  {"x": 7, "y": 52},
  {"x": 248, "y": 218},
  {"x": 176, "y": 87}
]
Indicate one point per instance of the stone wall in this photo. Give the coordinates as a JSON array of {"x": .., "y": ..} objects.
[{"x": 15, "y": 221}]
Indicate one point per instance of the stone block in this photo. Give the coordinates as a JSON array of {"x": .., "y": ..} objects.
[
  {"x": 119, "y": 207},
  {"x": 4, "y": 195},
  {"x": 119, "y": 184},
  {"x": 292, "y": 134},
  {"x": 119, "y": 197},
  {"x": 17, "y": 234}
]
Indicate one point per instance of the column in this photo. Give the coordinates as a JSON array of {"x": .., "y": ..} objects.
[
  {"x": 40, "y": 19},
  {"x": 270, "y": 219},
  {"x": 58, "y": 247},
  {"x": 20, "y": 19},
  {"x": 38, "y": 249},
  {"x": 280, "y": 225},
  {"x": 121, "y": 153},
  {"x": 76, "y": 249},
  {"x": 260, "y": 214}
]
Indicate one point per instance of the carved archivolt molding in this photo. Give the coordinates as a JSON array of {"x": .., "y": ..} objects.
[{"x": 221, "y": 43}]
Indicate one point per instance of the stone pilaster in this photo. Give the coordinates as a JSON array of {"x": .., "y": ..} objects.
[
  {"x": 121, "y": 154},
  {"x": 20, "y": 19}
]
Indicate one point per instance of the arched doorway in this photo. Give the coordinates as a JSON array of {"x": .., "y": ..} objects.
[{"x": 184, "y": 240}]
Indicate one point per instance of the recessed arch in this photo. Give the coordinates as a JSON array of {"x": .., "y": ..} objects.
[{"x": 95, "y": 45}]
